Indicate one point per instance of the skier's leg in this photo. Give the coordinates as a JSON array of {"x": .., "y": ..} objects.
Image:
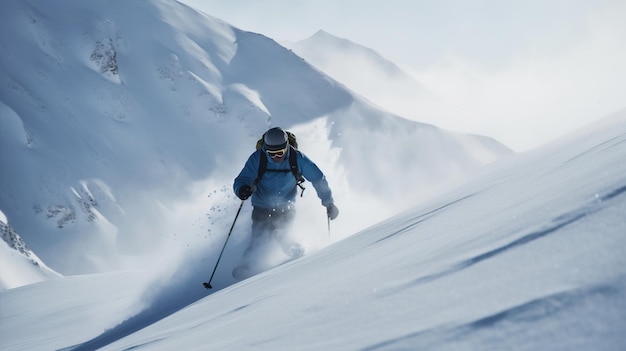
[
  {"x": 261, "y": 232},
  {"x": 285, "y": 235}
]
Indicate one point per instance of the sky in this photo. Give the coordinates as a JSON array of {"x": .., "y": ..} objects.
[{"x": 524, "y": 72}]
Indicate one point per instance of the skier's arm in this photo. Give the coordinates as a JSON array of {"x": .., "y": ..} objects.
[
  {"x": 248, "y": 174},
  {"x": 312, "y": 173}
]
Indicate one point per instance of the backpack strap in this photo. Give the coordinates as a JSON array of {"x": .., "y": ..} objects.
[
  {"x": 262, "y": 167},
  {"x": 293, "y": 167},
  {"x": 293, "y": 164}
]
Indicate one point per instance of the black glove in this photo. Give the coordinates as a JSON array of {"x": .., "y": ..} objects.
[
  {"x": 244, "y": 192},
  {"x": 332, "y": 211}
]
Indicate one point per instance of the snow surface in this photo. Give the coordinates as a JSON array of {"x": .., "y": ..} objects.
[{"x": 526, "y": 255}]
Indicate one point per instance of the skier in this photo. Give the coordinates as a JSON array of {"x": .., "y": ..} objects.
[{"x": 272, "y": 185}]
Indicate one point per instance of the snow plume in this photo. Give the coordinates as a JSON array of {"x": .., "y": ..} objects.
[{"x": 172, "y": 276}]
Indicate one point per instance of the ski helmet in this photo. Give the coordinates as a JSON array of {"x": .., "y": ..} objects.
[{"x": 275, "y": 139}]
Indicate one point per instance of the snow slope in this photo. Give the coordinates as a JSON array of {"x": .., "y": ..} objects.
[
  {"x": 526, "y": 256},
  {"x": 124, "y": 123}
]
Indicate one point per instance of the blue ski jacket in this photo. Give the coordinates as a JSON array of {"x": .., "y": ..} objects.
[{"x": 278, "y": 190}]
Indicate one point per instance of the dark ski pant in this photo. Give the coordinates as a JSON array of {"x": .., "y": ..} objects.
[{"x": 268, "y": 225}]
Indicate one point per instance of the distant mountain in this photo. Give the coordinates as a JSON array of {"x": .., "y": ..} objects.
[
  {"x": 118, "y": 118},
  {"x": 369, "y": 74},
  {"x": 358, "y": 67},
  {"x": 20, "y": 266}
]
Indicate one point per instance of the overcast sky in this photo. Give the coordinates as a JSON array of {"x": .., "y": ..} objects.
[{"x": 522, "y": 71}]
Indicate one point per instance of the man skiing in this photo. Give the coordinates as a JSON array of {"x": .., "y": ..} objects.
[{"x": 272, "y": 185}]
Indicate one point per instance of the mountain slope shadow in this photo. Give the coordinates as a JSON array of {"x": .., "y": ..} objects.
[
  {"x": 168, "y": 295},
  {"x": 553, "y": 227},
  {"x": 166, "y": 301}
]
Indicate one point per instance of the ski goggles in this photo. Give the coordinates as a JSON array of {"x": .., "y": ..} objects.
[{"x": 277, "y": 153}]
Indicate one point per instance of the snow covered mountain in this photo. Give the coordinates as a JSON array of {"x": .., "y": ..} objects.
[
  {"x": 527, "y": 256},
  {"x": 118, "y": 118},
  {"x": 371, "y": 75},
  {"x": 360, "y": 68}
]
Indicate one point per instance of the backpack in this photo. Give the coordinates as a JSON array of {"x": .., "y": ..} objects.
[{"x": 293, "y": 161}]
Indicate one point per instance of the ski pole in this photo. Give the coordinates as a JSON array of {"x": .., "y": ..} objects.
[
  {"x": 328, "y": 218},
  {"x": 208, "y": 284}
]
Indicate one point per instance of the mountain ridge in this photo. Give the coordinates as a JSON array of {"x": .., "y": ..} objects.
[{"x": 369, "y": 74}]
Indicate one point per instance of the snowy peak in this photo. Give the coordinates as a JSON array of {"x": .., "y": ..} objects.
[
  {"x": 363, "y": 70},
  {"x": 330, "y": 46},
  {"x": 381, "y": 81}
]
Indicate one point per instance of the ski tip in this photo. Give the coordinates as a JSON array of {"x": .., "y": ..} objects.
[{"x": 207, "y": 285}]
